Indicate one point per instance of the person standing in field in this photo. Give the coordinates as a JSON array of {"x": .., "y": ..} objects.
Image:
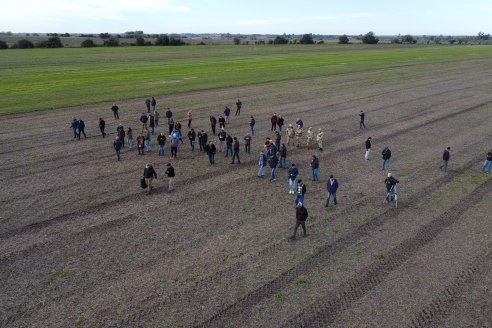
[
  {"x": 210, "y": 149},
  {"x": 156, "y": 117},
  {"x": 147, "y": 104},
  {"x": 102, "y": 126},
  {"x": 386, "y": 153},
  {"x": 299, "y": 123},
  {"x": 362, "y": 117},
  {"x": 81, "y": 128},
  {"x": 445, "y": 159},
  {"x": 310, "y": 137},
  {"x": 75, "y": 127},
  {"x": 213, "y": 123},
  {"x": 129, "y": 136},
  {"x": 368, "y": 148},
  {"x": 252, "y": 123},
  {"x": 239, "y": 104},
  {"x": 222, "y": 135},
  {"x": 319, "y": 139},
  {"x": 301, "y": 217},
  {"x": 283, "y": 156},
  {"x": 120, "y": 131},
  {"x": 290, "y": 134},
  {"x": 229, "y": 142},
  {"x": 149, "y": 174},
  {"x": 148, "y": 143},
  {"x": 161, "y": 141},
  {"x": 189, "y": 117},
  {"x": 390, "y": 183},
  {"x": 236, "y": 151},
  {"x": 300, "y": 191},
  {"x": 273, "y": 120},
  {"x": 115, "y": 109},
  {"x": 117, "y": 145},
  {"x": 222, "y": 122},
  {"x": 227, "y": 112},
  {"x": 331, "y": 188},
  {"x": 487, "y": 165},
  {"x": 247, "y": 143},
  {"x": 280, "y": 122},
  {"x": 298, "y": 136},
  {"x": 314, "y": 167},
  {"x": 202, "y": 139},
  {"x": 140, "y": 144},
  {"x": 273, "y": 161},
  {"x": 171, "y": 175},
  {"x": 192, "y": 138},
  {"x": 153, "y": 103},
  {"x": 278, "y": 139},
  {"x": 293, "y": 172},
  {"x": 262, "y": 162},
  {"x": 174, "y": 144},
  {"x": 168, "y": 114},
  {"x": 170, "y": 125},
  {"x": 144, "y": 119}
]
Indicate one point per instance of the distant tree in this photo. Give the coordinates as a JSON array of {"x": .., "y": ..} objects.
[
  {"x": 483, "y": 36},
  {"x": 202, "y": 43},
  {"x": 3, "y": 45},
  {"x": 54, "y": 42},
  {"x": 307, "y": 39},
  {"x": 280, "y": 40},
  {"x": 320, "y": 42},
  {"x": 140, "y": 41},
  {"x": 162, "y": 40},
  {"x": 87, "y": 43},
  {"x": 67, "y": 35},
  {"x": 408, "y": 39},
  {"x": 176, "y": 41},
  {"x": 452, "y": 41},
  {"x": 396, "y": 41},
  {"x": 24, "y": 44},
  {"x": 343, "y": 39},
  {"x": 104, "y": 35},
  {"x": 270, "y": 41},
  {"x": 112, "y": 42},
  {"x": 237, "y": 41},
  {"x": 370, "y": 38}
]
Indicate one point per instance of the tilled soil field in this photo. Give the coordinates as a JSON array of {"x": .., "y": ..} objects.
[{"x": 82, "y": 245}]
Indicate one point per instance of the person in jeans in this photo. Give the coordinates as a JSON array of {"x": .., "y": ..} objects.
[
  {"x": 75, "y": 127},
  {"x": 386, "y": 153},
  {"x": 283, "y": 156},
  {"x": 331, "y": 187},
  {"x": 262, "y": 161},
  {"x": 273, "y": 161},
  {"x": 301, "y": 217},
  {"x": 156, "y": 118},
  {"x": 149, "y": 174},
  {"x": 152, "y": 124},
  {"x": 148, "y": 143},
  {"x": 153, "y": 103},
  {"x": 314, "y": 168},
  {"x": 140, "y": 144},
  {"x": 129, "y": 137},
  {"x": 368, "y": 148},
  {"x": 293, "y": 172},
  {"x": 118, "y": 144},
  {"x": 300, "y": 191},
  {"x": 227, "y": 112},
  {"x": 236, "y": 151},
  {"x": 247, "y": 143},
  {"x": 487, "y": 165},
  {"x": 161, "y": 141},
  {"x": 252, "y": 123},
  {"x": 210, "y": 149},
  {"x": 192, "y": 138},
  {"x": 445, "y": 159},
  {"x": 229, "y": 142},
  {"x": 170, "y": 174}
]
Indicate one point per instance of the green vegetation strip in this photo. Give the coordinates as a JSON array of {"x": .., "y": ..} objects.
[{"x": 39, "y": 79}]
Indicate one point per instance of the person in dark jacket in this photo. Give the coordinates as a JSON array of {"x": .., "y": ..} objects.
[
  {"x": 129, "y": 136},
  {"x": 102, "y": 126},
  {"x": 390, "y": 183},
  {"x": 273, "y": 162},
  {"x": 247, "y": 143},
  {"x": 213, "y": 123},
  {"x": 273, "y": 120},
  {"x": 300, "y": 191},
  {"x": 278, "y": 139},
  {"x": 222, "y": 122},
  {"x": 81, "y": 128},
  {"x": 120, "y": 132},
  {"x": 239, "y": 104},
  {"x": 211, "y": 150},
  {"x": 202, "y": 140},
  {"x": 445, "y": 159},
  {"x": 170, "y": 174},
  {"x": 252, "y": 123},
  {"x": 314, "y": 168},
  {"x": 170, "y": 125},
  {"x": 362, "y": 116},
  {"x": 236, "y": 148},
  {"x": 192, "y": 138},
  {"x": 283, "y": 156},
  {"x": 222, "y": 135},
  {"x": 331, "y": 188},
  {"x": 147, "y": 104},
  {"x": 227, "y": 112},
  {"x": 487, "y": 165},
  {"x": 293, "y": 172},
  {"x": 386, "y": 153},
  {"x": 161, "y": 142},
  {"x": 368, "y": 148},
  {"x": 141, "y": 144},
  {"x": 75, "y": 127},
  {"x": 301, "y": 217},
  {"x": 149, "y": 174},
  {"x": 229, "y": 142},
  {"x": 153, "y": 103},
  {"x": 280, "y": 122},
  {"x": 115, "y": 109},
  {"x": 117, "y": 145},
  {"x": 144, "y": 119},
  {"x": 168, "y": 114},
  {"x": 152, "y": 124}
]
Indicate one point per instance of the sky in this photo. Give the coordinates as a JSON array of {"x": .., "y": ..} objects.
[{"x": 352, "y": 17}]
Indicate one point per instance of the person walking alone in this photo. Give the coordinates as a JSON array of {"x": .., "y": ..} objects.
[
  {"x": 252, "y": 123},
  {"x": 301, "y": 217},
  {"x": 102, "y": 125},
  {"x": 368, "y": 148},
  {"x": 487, "y": 165},
  {"x": 115, "y": 109},
  {"x": 362, "y": 116},
  {"x": 262, "y": 161},
  {"x": 189, "y": 117},
  {"x": 331, "y": 187},
  {"x": 239, "y": 104},
  {"x": 171, "y": 175},
  {"x": 445, "y": 159}
]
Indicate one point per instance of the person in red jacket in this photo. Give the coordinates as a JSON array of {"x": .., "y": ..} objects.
[{"x": 273, "y": 120}]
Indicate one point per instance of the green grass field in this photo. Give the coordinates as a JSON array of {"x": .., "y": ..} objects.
[{"x": 39, "y": 79}]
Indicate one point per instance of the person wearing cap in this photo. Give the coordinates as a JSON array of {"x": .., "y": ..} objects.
[
  {"x": 301, "y": 217},
  {"x": 368, "y": 148},
  {"x": 290, "y": 134},
  {"x": 386, "y": 153},
  {"x": 170, "y": 174},
  {"x": 300, "y": 191},
  {"x": 390, "y": 182},
  {"x": 149, "y": 174},
  {"x": 445, "y": 159},
  {"x": 236, "y": 151},
  {"x": 319, "y": 139},
  {"x": 331, "y": 187}
]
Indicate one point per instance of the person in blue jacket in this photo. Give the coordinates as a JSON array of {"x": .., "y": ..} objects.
[
  {"x": 227, "y": 112},
  {"x": 293, "y": 172}
]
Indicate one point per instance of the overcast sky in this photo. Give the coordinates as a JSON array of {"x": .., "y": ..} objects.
[{"x": 384, "y": 17}]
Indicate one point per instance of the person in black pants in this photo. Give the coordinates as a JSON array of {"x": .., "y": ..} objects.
[
  {"x": 301, "y": 217},
  {"x": 445, "y": 159},
  {"x": 81, "y": 128},
  {"x": 102, "y": 125},
  {"x": 362, "y": 116},
  {"x": 236, "y": 151}
]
